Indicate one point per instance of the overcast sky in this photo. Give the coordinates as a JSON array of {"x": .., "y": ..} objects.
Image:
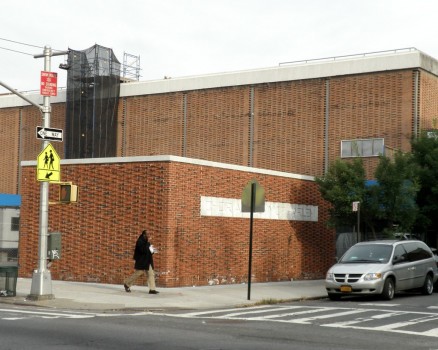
[{"x": 194, "y": 37}]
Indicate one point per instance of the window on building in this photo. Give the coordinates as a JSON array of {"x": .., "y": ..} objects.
[
  {"x": 432, "y": 134},
  {"x": 15, "y": 224},
  {"x": 362, "y": 148}
]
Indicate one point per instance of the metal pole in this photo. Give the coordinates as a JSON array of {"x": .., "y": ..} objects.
[
  {"x": 19, "y": 94},
  {"x": 326, "y": 128},
  {"x": 41, "y": 287},
  {"x": 41, "y": 280},
  {"x": 251, "y": 127},
  {"x": 358, "y": 222},
  {"x": 253, "y": 185}
]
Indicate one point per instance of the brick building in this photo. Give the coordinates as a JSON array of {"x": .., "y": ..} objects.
[
  {"x": 292, "y": 119},
  {"x": 191, "y": 209}
]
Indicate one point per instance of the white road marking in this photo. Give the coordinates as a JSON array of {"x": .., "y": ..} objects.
[
  {"x": 56, "y": 315},
  {"x": 380, "y": 305},
  {"x": 309, "y": 320},
  {"x": 281, "y": 314},
  {"x": 45, "y": 314},
  {"x": 256, "y": 312}
]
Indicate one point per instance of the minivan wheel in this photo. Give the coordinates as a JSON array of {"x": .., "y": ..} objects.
[
  {"x": 427, "y": 286},
  {"x": 388, "y": 289}
]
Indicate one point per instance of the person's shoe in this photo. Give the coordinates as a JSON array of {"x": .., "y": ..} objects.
[
  {"x": 153, "y": 292},
  {"x": 127, "y": 289}
]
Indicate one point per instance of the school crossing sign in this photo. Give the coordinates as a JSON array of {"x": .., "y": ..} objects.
[{"x": 49, "y": 165}]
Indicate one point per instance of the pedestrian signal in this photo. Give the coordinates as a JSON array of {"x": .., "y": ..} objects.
[{"x": 68, "y": 193}]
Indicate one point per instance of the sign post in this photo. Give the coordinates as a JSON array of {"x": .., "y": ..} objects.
[
  {"x": 356, "y": 208},
  {"x": 41, "y": 280},
  {"x": 41, "y": 288},
  {"x": 253, "y": 200}
]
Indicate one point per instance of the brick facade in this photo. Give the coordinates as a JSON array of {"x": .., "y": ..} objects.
[
  {"x": 117, "y": 200},
  {"x": 289, "y": 121},
  {"x": 378, "y": 105},
  {"x": 10, "y": 157},
  {"x": 286, "y": 119},
  {"x": 428, "y": 107},
  {"x": 292, "y": 126}
]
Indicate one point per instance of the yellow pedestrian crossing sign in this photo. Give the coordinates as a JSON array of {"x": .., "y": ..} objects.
[{"x": 49, "y": 165}]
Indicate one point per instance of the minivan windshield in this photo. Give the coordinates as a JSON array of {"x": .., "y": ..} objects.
[{"x": 367, "y": 253}]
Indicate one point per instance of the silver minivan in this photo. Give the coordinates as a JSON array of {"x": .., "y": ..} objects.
[{"x": 382, "y": 268}]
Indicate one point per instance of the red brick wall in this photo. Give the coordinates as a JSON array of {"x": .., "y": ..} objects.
[
  {"x": 378, "y": 105},
  {"x": 218, "y": 125},
  {"x": 289, "y": 126},
  {"x": 289, "y": 122},
  {"x": 217, "y": 248},
  {"x": 10, "y": 156},
  {"x": 428, "y": 101},
  {"x": 118, "y": 200},
  {"x": 153, "y": 125}
]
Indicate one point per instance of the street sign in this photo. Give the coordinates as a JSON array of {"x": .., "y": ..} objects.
[
  {"x": 48, "y": 165},
  {"x": 253, "y": 200},
  {"x": 49, "y": 134},
  {"x": 356, "y": 206},
  {"x": 49, "y": 84},
  {"x": 259, "y": 200}
]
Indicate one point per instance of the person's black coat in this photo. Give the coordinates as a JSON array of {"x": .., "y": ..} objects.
[{"x": 142, "y": 254}]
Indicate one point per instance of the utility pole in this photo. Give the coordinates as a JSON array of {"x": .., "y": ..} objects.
[{"x": 41, "y": 288}]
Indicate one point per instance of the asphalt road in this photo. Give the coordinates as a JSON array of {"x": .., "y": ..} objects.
[{"x": 407, "y": 322}]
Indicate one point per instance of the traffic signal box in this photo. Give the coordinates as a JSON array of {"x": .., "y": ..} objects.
[{"x": 68, "y": 193}]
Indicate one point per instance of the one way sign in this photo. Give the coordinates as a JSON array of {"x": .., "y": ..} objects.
[{"x": 49, "y": 134}]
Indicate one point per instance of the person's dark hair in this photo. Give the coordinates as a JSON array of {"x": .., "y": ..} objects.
[{"x": 144, "y": 232}]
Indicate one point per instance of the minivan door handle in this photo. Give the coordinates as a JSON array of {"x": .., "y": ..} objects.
[{"x": 411, "y": 268}]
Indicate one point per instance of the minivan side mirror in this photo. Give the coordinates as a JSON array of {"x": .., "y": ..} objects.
[{"x": 398, "y": 259}]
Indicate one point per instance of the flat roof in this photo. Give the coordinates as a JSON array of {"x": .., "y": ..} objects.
[
  {"x": 175, "y": 159},
  {"x": 410, "y": 58}
]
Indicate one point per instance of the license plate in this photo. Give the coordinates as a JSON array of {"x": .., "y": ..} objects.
[{"x": 346, "y": 289}]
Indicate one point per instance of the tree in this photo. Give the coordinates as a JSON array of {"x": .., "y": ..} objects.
[
  {"x": 342, "y": 185},
  {"x": 425, "y": 155},
  {"x": 386, "y": 203},
  {"x": 396, "y": 192}
]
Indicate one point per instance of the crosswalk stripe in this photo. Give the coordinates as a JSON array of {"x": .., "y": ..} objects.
[
  {"x": 289, "y": 314},
  {"x": 308, "y": 320},
  {"x": 255, "y": 312},
  {"x": 431, "y": 333}
]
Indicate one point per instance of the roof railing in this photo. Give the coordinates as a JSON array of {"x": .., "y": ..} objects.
[{"x": 344, "y": 57}]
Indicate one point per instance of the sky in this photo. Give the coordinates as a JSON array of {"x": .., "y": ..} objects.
[{"x": 178, "y": 38}]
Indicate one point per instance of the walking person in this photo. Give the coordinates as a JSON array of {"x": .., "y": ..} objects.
[{"x": 144, "y": 264}]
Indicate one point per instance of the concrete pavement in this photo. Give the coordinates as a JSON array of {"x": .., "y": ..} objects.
[{"x": 95, "y": 296}]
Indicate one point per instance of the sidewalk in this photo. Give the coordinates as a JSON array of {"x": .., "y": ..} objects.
[{"x": 95, "y": 296}]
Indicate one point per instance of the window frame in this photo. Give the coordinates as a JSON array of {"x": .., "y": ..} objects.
[{"x": 356, "y": 147}]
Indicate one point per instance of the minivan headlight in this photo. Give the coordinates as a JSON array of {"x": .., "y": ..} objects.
[
  {"x": 372, "y": 276},
  {"x": 329, "y": 276}
]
